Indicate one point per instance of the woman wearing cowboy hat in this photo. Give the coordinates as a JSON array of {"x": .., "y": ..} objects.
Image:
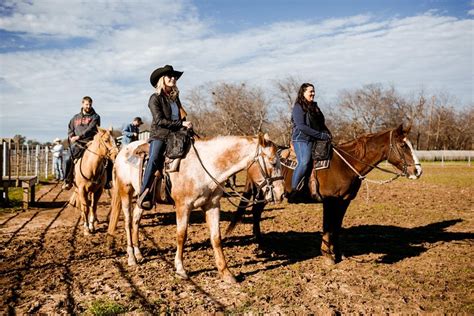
[{"x": 168, "y": 117}]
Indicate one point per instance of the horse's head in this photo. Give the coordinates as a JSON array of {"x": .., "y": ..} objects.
[
  {"x": 401, "y": 153},
  {"x": 264, "y": 171},
  {"x": 107, "y": 146}
]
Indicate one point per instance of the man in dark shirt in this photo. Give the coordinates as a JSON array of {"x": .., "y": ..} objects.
[
  {"x": 131, "y": 131},
  {"x": 82, "y": 129}
]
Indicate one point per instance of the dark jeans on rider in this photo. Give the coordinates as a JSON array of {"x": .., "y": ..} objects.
[
  {"x": 303, "y": 156},
  {"x": 75, "y": 151},
  {"x": 155, "y": 162}
]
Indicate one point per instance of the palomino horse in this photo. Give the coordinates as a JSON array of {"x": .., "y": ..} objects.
[
  {"x": 90, "y": 176},
  {"x": 198, "y": 184},
  {"x": 339, "y": 184}
]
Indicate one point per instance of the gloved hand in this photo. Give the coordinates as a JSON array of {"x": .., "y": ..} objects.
[{"x": 325, "y": 136}]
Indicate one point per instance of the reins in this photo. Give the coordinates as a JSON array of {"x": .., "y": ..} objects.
[
  {"x": 267, "y": 181},
  {"x": 105, "y": 157},
  {"x": 361, "y": 177}
]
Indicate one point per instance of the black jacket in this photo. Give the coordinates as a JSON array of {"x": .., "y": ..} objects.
[
  {"x": 162, "y": 124},
  {"x": 84, "y": 125}
]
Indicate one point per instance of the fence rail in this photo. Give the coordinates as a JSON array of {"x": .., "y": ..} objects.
[
  {"x": 24, "y": 160},
  {"x": 445, "y": 155}
]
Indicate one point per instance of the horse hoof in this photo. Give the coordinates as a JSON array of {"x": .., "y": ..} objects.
[
  {"x": 329, "y": 261},
  {"x": 182, "y": 275},
  {"x": 229, "y": 278},
  {"x": 132, "y": 262}
]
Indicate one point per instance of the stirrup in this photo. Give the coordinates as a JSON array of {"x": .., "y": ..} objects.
[{"x": 143, "y": 202}]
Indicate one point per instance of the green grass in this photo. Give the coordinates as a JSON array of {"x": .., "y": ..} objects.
[
  {"x": 15, "y": 195},
  {"x": 105, "y": 307}
]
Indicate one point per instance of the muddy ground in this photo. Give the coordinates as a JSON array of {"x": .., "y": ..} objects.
[{"x": 408, "y": 247}]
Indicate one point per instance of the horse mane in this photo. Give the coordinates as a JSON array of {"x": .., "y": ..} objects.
[{"x": 358, "y": 146}]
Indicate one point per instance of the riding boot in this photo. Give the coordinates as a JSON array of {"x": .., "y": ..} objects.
[
  {"x": 144, "y": 200},
  {"x": 68, "y": 179},
  {"x": 108, "y": 171},
  {"x": 148, "y": 198}
]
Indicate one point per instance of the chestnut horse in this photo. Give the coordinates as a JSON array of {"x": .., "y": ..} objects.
[
  {"x": 90, "y": 176},
  {"x": 339, "y": 184},
  {"x": 197, "y": 184}
]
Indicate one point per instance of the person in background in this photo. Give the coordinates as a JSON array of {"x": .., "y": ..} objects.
[
  {"x": 58, "y": 154},
  {"x": 168, "y": 117},
  {"x": 308, "y": 125},
  {"x": 131, "y": 131}
]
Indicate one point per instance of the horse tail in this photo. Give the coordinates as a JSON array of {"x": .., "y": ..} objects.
[{"x": 116, "y": 205}]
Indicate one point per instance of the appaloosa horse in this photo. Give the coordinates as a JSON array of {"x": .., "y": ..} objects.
[
  {"x": 198, "y": 184},
  {"x": 90, "y": 176},
  {"x": 339, "y": 184}
]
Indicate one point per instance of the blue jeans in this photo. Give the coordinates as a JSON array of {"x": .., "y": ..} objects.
[
  {"x": 303, "y": 156},
  {"x": 155, "y": 162},
  {"x": 58, "y": 168}
]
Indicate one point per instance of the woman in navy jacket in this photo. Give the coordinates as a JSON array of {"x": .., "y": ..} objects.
[
  {"x": 308, "y": 125},
  {"x": 168, "y": 117}
]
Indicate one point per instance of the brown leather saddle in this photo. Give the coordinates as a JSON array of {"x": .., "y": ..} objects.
[
  {"x": 161, "y": 186},
  {"x": 310, "y": 187}
]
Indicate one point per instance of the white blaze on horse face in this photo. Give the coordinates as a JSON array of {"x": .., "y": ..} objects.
[{"x": 415, "y": 160}]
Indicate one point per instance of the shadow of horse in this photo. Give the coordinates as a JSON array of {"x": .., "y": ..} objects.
[
  {"x": 196, "y": 217},
  {"x": 398, "y": 243},
  {"x": 393, "y": 243}
]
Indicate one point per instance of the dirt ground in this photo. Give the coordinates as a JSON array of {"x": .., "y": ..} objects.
[{"x": 408, "y": 248}]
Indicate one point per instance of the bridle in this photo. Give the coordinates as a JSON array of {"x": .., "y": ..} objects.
[
  {"x": 392, "y": 148},
  {"x": 267, "y": 179},
  {"x": 106, "y": 158}
]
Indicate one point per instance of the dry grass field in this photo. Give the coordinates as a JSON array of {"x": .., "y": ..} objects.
[{"x": 408, "y": 248}]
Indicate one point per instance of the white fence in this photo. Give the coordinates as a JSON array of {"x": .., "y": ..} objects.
[
  {"x": 25, "y": 160},
  {"x": 445, "y": 155}
]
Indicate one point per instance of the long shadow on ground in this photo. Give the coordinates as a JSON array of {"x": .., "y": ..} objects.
[{"x": 392, "y": 242}]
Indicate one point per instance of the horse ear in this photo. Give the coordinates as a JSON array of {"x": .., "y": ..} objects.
[
  {"x": 261, "y": 140},
  {"x": 266, "y": 137},
  {"x": 407, "y": 129}
]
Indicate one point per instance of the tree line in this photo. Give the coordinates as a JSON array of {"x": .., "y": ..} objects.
[{"x": 239, "y": 109}]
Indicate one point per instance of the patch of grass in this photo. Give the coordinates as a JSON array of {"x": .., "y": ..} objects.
[
  {"x": 105, "y": 307},
  {"x": 15, "y": 196}
]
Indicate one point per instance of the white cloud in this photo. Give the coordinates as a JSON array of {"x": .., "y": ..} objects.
[{"x": 40, "y": 90}]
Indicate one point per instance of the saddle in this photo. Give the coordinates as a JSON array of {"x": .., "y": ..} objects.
[
  {"x": 161, "y": 186},
  {"x": 310, "y": 190}
]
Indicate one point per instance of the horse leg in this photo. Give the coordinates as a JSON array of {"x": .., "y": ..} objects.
[
  {"x": 84, "y": 206},
  {"x": 182, "y": 219},
  {"x": 257, "y": 210},
  {"x": 342, "y": 206},
  {"x": 333, "y": 214},
  {"x": 127, "y": 224},
  {"x": 212, "y": 219},
  {"x": 93, "y": 210},
  {"x": 137, "y": 215}
]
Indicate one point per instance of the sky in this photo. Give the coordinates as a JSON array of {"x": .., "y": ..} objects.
[{"x": 54, "y": 52}]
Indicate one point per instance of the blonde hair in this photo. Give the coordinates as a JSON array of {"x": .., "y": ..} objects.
[{"x": 160, "y": 86}]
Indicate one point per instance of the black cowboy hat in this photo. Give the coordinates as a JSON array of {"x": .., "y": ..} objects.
[{"x": 160, "y": 72}]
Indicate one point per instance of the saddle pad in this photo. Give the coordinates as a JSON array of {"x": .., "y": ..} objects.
[
  {"x": 287, "y": 157},
  {"x": 321, "y": 164}
]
